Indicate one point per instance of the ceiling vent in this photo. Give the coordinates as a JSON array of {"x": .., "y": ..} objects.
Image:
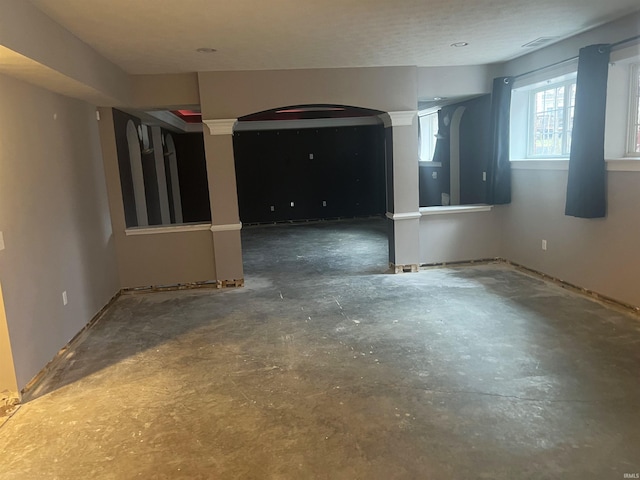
[{"x": 539, "y": 42}]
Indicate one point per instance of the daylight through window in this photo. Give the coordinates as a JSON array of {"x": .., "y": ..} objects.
[{"x": 551, "y": 120}]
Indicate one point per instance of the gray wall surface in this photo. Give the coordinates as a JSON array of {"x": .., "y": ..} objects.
[{"x": 55, "y": 219}]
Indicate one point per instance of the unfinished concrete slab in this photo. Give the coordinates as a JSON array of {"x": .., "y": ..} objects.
[{"x": 325, "y": 366}]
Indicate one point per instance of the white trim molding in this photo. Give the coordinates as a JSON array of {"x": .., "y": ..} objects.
[
  {"x": 226, "y": 228},
  {"x": 613, "y": 164},
  {"x": 403, "y": 216},
  {"x": 197, "y": 227},
  {"x": 623, "y": 164},
  {"x": 540, "y": 164},
  {"x": 446, "y": 210},
  {"x": 399, "y": 119},
  {"x": 220, "y": 127}
]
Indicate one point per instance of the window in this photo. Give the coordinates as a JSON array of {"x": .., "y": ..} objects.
[
  {"x": 551, "y": 110},
  {"x": 633, "y": 147},
  {"x": 428, "y": 133}
]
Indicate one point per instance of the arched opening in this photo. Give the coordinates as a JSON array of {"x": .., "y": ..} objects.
[
  {"x": 137, "y": 174},
  {"x": 309, "y": 163}
]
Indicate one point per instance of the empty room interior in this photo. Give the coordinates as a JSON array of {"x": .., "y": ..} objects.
[{"x": 334, "y": 240}]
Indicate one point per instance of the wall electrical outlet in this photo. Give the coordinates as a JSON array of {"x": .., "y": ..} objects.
[
  {"x": 311, "y": 156},
  {"x": 293, "y": 204},
  {"x": 544, "y": 244},
  {"x": 273, "y": 209},
  {"x": 324, "y": 203},
  {"x": 434, "y": 175},
  {"x": 64, "y": 297},
  {"x": 484, "y": 176},
  {"x": 1, "y": 241}
]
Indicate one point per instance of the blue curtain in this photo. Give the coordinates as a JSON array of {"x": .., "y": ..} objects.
[
  {"x": 499, "y": 168},
  {"x": 586, "y": 185}
]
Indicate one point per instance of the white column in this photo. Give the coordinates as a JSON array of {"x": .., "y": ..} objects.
[
  {"x": 137, "y": 174},
  {"x": 175, "y": 180},
  {"x": 223, "y": 197},
  {"x": 158, "y": 155},
  {"x": 404, "y": 210}
]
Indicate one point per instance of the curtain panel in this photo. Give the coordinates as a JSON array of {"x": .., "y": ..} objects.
[
  {"x": 499, "y": 168},
  {"x": 586, "y": 184}
]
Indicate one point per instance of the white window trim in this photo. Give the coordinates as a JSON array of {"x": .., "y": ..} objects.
[
  {"x": 633, "y": 111},
  {"x": 427, "y": 163},
  {"x": 612, "y": 164},
  {"x": 549, "y": 84}
]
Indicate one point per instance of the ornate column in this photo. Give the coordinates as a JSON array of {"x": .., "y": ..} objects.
[
  {"x": 403, "y": 209},
  {"x": 223, "y": 198}
]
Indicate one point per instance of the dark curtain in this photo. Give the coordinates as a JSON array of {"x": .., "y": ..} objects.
[
  {"x": 499, "y": 168},
  {"x": 586, "y": 195}
]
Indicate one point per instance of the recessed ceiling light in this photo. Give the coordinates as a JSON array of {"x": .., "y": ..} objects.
[
  {"x": 460, "y": 44},
  {"x": 206, "y": 50}
]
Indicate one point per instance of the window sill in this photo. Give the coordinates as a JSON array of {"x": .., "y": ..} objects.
[
  {"x": 540, "y": 164},
  {"x": 613, "y": 164},
  {"x": 180, "y": 228},
  {"x": 429, "y": 164},
  {"x": 449, "y": 209}
]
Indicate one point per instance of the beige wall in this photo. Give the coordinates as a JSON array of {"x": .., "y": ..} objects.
[
  {"x": 596, "y": 254},
  {"x": 55, "y": 220},
  {"x": 27, "y": 31},
  {"x": 454, "y": 81},
  {"x": 458, "y": 237},
  {"x": 234, "y": 94},
  {"x": 166, "y": 91},
  {"x": 8, "y": 382},
  {"x": 157, "y": 259}
]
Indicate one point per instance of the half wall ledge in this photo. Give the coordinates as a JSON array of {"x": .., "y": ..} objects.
[{"x": 450, "y": 209}]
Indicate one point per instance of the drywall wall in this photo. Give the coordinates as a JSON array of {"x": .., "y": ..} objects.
[
  {"x": 449, "y": 82},
  {"x": 596, "y": 254},
  {"x": 55, "y": 220},
  {"x": 612, "y": 32},
  {"x": 8, "y": 382},
  {"x": 165, "y": 91},
  {"x": 27, "y": 31},
  {"x": 155, "y": 259},
  {"x": 235, "y": 94},
  {"x": 459, "y": 237}
]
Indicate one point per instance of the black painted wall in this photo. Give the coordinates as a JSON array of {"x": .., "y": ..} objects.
[
  {"x": 474, "y": 157},
  {"x": 274, "y": 169},
  {"x": 192, "y": 174},
  {"x": 474, "y": 149}
]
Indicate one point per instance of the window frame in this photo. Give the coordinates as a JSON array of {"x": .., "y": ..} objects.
[
  {"x": 432, "y": 143},
  {"x": 633, "y": 123},
  {"x": 531, "y": 118}
]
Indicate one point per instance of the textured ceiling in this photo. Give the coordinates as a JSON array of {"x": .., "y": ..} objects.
[{"x": 161, "y": 36}]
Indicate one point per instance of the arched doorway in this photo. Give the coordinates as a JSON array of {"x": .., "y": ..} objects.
[{"x": 310, "y": 162}]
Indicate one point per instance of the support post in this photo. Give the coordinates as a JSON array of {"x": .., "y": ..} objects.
[
  {"x": 223, "y": 197},
  {"x": 403, "y": 211}
]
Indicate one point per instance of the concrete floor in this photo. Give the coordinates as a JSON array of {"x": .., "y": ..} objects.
[{"x": 326, "y": 367}]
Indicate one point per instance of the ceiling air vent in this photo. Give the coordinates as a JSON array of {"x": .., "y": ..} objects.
[{"x": 539, "y": 42}]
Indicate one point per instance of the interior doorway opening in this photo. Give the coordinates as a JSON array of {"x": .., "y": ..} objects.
[{"x": 311, "y": 163}]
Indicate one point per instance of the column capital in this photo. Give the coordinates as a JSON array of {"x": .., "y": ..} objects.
[
  {"x": 220, "y": 127},
  {"x": 399, "y": 119}
]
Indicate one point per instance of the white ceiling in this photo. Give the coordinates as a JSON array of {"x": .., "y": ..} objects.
[{"x": 161, "y": 36}]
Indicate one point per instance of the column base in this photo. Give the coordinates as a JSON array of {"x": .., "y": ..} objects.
[{"x": 408, "y": 268}]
